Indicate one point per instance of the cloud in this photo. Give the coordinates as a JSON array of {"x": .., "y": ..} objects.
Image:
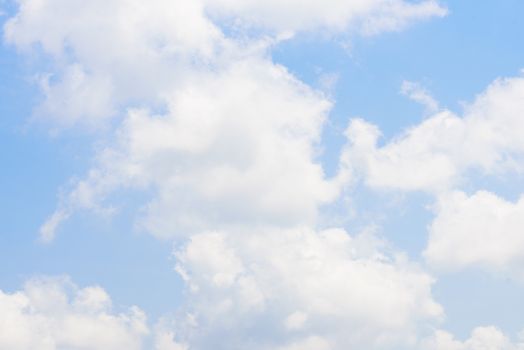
[
  {"x": 77, "y": 97},
  {"x": 109, "y": 55},
  {"x": 226, "y": 144},
  {"x": 434, "y": 155},
  {"x": 418, "y": 94},
  {"x": 365, "y": 16},
  {"x": 51, "y": 314},
  {"x": 310, "y": 343},
  {"x": 165, "y": 340},
  {"x": 123, "y": 59},
  {"x": 482, "y": 338},
  {"x": 235, "y": 147},
  {"x": 481, "y": 230},
  {"x": 48, "y": 229},
  {"x": 301, "y": 289},
  {"x": 238, "y": 143}
]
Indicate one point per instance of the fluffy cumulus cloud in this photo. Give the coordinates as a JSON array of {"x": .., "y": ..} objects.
[
  {"x": 239, "y": 139},
  {"x": 435, "y": 155},
  {"x": 226, "y": 144},
  {"x": 110, "y": 54},
  {"x": 236, "y": 147},
  {"x": 301, "y": 289},
  {"x": 481, "y": 230},
  {"x": 482, "y": 338},
  {"x": 54, "y": 314}
]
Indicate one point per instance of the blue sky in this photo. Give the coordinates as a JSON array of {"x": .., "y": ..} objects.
[{"x": 145, "y": 253}]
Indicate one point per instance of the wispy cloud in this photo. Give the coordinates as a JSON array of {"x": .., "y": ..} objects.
[{"x": 420, "y": 95}]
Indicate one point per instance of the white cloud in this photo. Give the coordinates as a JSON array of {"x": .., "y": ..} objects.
[
  {"x": 54, "y": 314},
  {"x": 224, "y": 140},
  {"x": 110, "y": 54},
  {"x": 396, "y": 15},
  {"x": 77, "y": 98},
  {"x": 327, "y": 82},
  {"x": 296, "y": 320},
  {"x": 48, "y": 229},
  {"x": 481, "y": 230},
  {"x": 113, "y": 54},
  {"x": 102, "y": 34},
  {"x": 419, "y": 94},
  {"x": 297, "y": 289},
  {"x": 310, "y": 343},
  {"x": 236, "y": 147},
  {"x": 165, "y": 340},
  {"x": 434, "y": 155},
  {"x": 418, "y": 160},
  {"x": 366, "y": 16},
  {"x": 482, "y": 338},
  {"x": 236, "y": 141}
]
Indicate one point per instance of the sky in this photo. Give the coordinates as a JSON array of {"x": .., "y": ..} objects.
[{"x": 227, "y": 174}]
